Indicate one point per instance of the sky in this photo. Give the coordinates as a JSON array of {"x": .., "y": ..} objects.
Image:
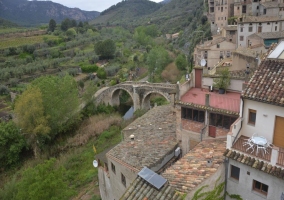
[{"x": 90, "y": 5}]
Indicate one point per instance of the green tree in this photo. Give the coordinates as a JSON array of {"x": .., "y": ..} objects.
[
  {"x": 181, "y": 62},
  {"x": 60, "y": 101},
  {"x": 71, "y": 33},
  {"x": 29, "y": 111},
  {"x": 12, "y": 142},
  {"x": 44, "y": 182},
  {"x": 52, "y": 25},
  {"x": 105, "y": 49},
  {"x": 65, "y": 24}
]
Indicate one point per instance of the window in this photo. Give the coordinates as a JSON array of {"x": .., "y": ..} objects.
[
  {"x": 222, "y": 121},
  {"x": 257, "y": 7},
  {"x": 260, "y": 187},
  {"x": 113, "y": 167},
  {"x": 123, "y": 180},
  {"x": 228, "y": 54},
  {"x": 221, "y": 9},
  {"x": 235, "y": 172},
  {"x": 238, "y": 8},
  {"x": 241, "y": 38},
  {"x": 252, "y": 116},
  {"x": 268, "y": 23},
  {"x": 250, "y": 29},
  {"x": 242, "y": 29},
  {"x": 264, "y": 11},
  {"x": 218, "y": 46},
  {"x": 275, "y": 28},
  {"x": 191, "y": 114}
]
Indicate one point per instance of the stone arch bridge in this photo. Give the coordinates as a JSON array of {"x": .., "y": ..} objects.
[{"x": 140, "y": 93}]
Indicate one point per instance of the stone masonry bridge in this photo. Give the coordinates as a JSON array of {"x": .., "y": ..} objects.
[{"x": 140, "y": 93}]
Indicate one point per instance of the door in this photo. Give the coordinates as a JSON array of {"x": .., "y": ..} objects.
[
  {"x": 212, "y": 131},
  {"x": 198, "y": 78},
  {"x": 278, "y": 138}
]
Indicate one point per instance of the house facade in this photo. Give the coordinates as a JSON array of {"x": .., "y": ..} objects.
[{"x": 253, "y": 172}]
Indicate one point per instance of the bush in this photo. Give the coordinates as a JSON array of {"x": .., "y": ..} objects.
[
  {"x": 101, "y": 73},
  {"x": 89, "y": 68},
  {"x": 4, "y": 90}
]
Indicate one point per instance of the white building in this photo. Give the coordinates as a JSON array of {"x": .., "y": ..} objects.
[{"x": 252, "y": 172}]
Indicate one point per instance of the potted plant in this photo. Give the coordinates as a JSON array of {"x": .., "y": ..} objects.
[{"x": 223, "y": 82}]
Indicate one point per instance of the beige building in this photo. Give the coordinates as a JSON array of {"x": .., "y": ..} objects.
[
  {"x": 213, "y": 51},
  {"x": 249, "y": 25}
]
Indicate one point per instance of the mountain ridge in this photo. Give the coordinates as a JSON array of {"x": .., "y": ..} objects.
[{"x": 32, "y": 13}]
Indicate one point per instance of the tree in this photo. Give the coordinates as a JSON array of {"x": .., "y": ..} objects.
[
  {"x": 65, "y": 24},
  {"x": 181, "y": 62},
  {"x": 44, "y": 182},
  {"x": 29, "y": 111},
  {"x": 52, "y": 25},
  {"x": 12, "y": 142},
  {"x": 60, "y": 101},
  {"x": 105, "y": 49},
  {"x": 71, "y": 33}
]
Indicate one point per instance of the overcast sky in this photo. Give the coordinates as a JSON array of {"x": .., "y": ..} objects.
[{"x": 90, "y": 5}]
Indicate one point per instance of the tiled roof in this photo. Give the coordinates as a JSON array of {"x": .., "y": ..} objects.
[
  {"x": 248, "y": 19},
  {"x": 255, "y": 163},
  {"x": 267, "y": 83},
  {"x": 141, "y": 190},
  {"x": 210, "y": 43},
  {"x": 272, "y": 4},
  {"x": 245, "y": 51},
  {"x": 229, "y": 101},
  {"x": 155, "y": 137},
  {"x": 191, "y": 170},
  {"x": 231, "y": 28},
  {"x": 269, "y": 35}
]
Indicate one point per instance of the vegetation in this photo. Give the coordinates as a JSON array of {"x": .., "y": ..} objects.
[{"x": 223, "y": 81}]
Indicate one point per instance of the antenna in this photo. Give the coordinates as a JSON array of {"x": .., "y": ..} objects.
[
  {"x": 95, "y": 163},
  {"x": 203, "y": 62}
]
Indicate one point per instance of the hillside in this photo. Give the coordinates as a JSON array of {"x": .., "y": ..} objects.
[
  {"x": 126, "y": 12},
  {"x": 23, "y": 12}
]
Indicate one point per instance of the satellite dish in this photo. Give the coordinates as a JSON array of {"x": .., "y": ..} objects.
[
  {"x": 203, "y": 62},
  {"x": 95, "y": 163}
]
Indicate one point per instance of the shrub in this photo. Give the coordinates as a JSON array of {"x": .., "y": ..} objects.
[
  {"x": 89, "y": 68},
  {"x": 101, "y": 73}
]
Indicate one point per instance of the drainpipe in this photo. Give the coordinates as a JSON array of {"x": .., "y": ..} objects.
[
  {"x": 242, "y": 99},
  {"x": 226, "y": 162}
]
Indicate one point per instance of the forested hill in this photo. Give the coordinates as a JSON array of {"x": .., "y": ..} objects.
[
  {"x": 127, "y": 11},
  {"x": 33, "y": 13}
]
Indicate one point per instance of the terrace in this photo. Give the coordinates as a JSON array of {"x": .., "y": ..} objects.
[{"x": 273, "y": 155}]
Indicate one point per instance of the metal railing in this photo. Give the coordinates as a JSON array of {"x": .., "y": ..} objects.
[
  {"x": 280, "y": 160},
  {"x": 240, "y": 146}
]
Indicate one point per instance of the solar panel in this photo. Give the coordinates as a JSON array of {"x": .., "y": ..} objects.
[{"x": 151, "y": 177}]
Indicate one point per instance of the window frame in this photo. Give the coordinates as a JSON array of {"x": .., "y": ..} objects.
[
  {"x": 193, "y": 114},
  {"x": 231, "y": 174},
  {"x": 250, "y": 29},
  {"x": 123, "y": 179},
  {"x": 113, "y": 168},
  {"x": 259, "y": 190},
  {"x": 250, "y": 112},
  {"x": 241, "y": 38}
]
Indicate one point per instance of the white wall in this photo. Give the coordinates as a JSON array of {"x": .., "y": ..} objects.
[
  {"x": 243, "y": 187},
  {"x": 235, "y": 84},
  {"x": 265, "y": 119}
]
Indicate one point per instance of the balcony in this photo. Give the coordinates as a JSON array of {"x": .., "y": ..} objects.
[{"x": 274, "y": 155}]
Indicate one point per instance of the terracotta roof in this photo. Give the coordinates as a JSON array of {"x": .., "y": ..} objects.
[
  {"x": 245, "y": 51},
  {"x": 155, "y": 137},
  {"x": 267, "y": 83},
  {"x": 191, "y": 170},
  {"x": 210, "y": 43},
  {"x": 141, "y": 190},
  {"x": 255, "y": 163},
  {"x": 249, "y": 19},
  {"x": 229, "y": 101}
]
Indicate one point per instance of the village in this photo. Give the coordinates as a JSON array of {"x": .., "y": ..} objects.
[{"x": 225, "y": 125}]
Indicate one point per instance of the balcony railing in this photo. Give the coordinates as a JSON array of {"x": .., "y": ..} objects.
[
  {"x": 240, "y": 146},
  {"x": 280, "y": 160}
]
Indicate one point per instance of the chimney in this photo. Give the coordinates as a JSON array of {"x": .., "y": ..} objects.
[
  {"x": 132, "y": 138},
  {"x": 207, "y": 100}
]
